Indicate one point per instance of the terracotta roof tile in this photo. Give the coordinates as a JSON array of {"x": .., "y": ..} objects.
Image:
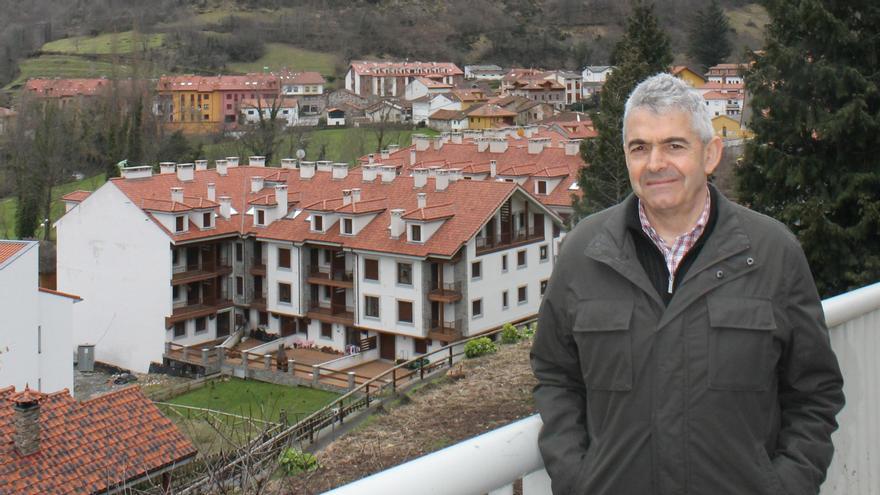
[
  {"x": 62, "y": 88},
  {"x": 86, "y": 447},
  {"x": 363, "y": 207},
  {"x": 247, "y": 82},
  {"x": 8, "y": 249},
  {"x": 76, "y": 196},
  {"x": 491, "y": 111},
  {"x": 428, "y": 69},
  {"x": 307, "y": 77},
  {"x": 435, "y": 212}
]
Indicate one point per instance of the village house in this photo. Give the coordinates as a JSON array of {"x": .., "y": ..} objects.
[
  {"x": 307, "y": 87},
  {"x": 693, "y": 78},
  {"x": 536, "y": 85},
  {"x": 572, "y": 82},
  {"x": 727, "y": 73},
  {"x": 425, "y": 106},
  {"x": 391, "y": 78},
  {"x": 448, "y": 120},
  {"x": 422, "y": 86},
  {"x": 316, "y": 255},
  {"x": 484, "y": 72},
  {"x": 527, "y": 111},
  {"x": 66, "y": 91},
  {"x": 389, "y": 110},
  {"x": 36, "y": 338},
  {"x": 593, "y": 77},
  {"x": 471, "y": 96},
  {"x": 52, "y": 443},
  {"x": 489, "y": 116},
  {"x": 285, "y": 109},
  {"x": 723, "y": 98}
]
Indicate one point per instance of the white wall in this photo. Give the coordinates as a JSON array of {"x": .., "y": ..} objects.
[
  {"x": 56, "y": 348},
  {"x": 20, "y": 307},
  {"x": 114, "y": 257},
  {"x": 276, "y": 275},
  {"x": 389, "y": 292}
]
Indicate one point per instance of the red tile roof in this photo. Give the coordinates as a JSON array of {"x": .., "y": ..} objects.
[
  {"x": 444, "y": 114},
  {"x": 428, "y": 69},
  {"x": 718, "y": 95},
  {"x": 88, "y": 447},
  {"x": 8, "y": 249},
  {"x": 430, "y": 213},
  {"x": 491, "y": 111},
  {"x": 721, "y": 86},
  {"x": 77, "y": 196},
  {"x": 301, "y": 77},
  {"x": 430, "y": 83},
  {"x": 247, "y": 82},
  {"x": 64, "y": 88}
]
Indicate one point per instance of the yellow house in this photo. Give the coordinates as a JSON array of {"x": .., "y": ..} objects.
[
  {"x": 490, "y": 116},
  {"x": 688, "y": 75},
  {"x": 729, "y": 128}
]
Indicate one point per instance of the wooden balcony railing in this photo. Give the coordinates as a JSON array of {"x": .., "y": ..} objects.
[
  {"x": 334, "y": 277},
  {"x": 446, "y": 292},
  {"x": 333, "y": 312},
  {"x": 507, "y": 239},
  {"x": 445, "y": 331}
]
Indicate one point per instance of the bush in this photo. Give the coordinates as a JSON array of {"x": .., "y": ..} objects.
[
  {"x": 294, "y": 461},
  {"x": 479, "y": 347},
  {"x": 529, "y": 331},
  {"x": 510, "y": 334},
  {"x": 419, "y": 363}
]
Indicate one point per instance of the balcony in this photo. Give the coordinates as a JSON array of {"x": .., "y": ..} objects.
[
  {"x": 196, "y": 272},
  {"x": 334, "y": 278},
  {"x": 492, "y": 462},
  {"x": 331, "y": 313},
  {"x": 185, "y": 310},
  {"x": 506, "y": 240},
  {"x": 445, "y": 331},
  {"x": 258, "y": 267},
  {"x": 445, "y": 292},
  {"x": 258, "y": 303}
]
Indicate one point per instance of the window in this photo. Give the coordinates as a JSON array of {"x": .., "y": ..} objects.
[
  {"x": 371, "y": 306},
  {"x": 261, "y": 217},
  {"x": 476, "y": 269},
  {"x": 326, "y": 330},
  {"x": 347, "y": 226},
  {"x": 263, "y": 318},
  {"x": 328, "y": 292},
  {"x": 542, "y": 252},
  {"x": 521, "y": 258},
  {"x": 228, "y": 96},
  {"x": 476, "y": 308},
  {"x": 284, "y": 293},
  {"x": 239, "y": 286},
  {"x": 404, "y": 312},
  {"x": 328, "y": 256},
  {"x": 421, "y": 345},
  {"x": 318, "y": 223},
  {"x": 239, "y": 252},
  {"x": 283, "y": 258},
  {"x": 416, "y": 235},
  {"x": 175, "y": 292},
  {"x": 504, "y": 300},
  {"x": 229, "y": 105},
  {"x": 180, "y": 329},
  {"x": 543, "y": 287},
  {"x": 206, "y": 220},
  {"x": 503, "y": 262},
  {"x": 371, "y": 269},
  {"x": 542, "y": 187},
  {"x": 201, "y": 324},
  {"x": 180, "y": 223},
  {"x": 404, "y": 273},
  {"x": 522, "y": 294},
  {"x": 556, "y": 231},
  {"x": 173, "y": 256}
]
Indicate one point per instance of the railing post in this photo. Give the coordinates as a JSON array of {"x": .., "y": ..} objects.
[
  {"x": 351, "y": 380},
  {"x": 450, "y": 356},
  {"x": 367, "y": 391},
  {"x": 421, "y": 370},
  {"x": 291, "y": 367},
  {"x": 244, "y": 360},
  {"x": 205, "y": 356},
  {"x": 267, "y": 361},
  {"x": 394, "y": 382},
  {"x": 316, "y": 374}
]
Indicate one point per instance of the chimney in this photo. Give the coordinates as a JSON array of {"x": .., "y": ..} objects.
[
  {"x": 536, "y": 146},
  {"x": 212, "y": 192},
  {"x": 393, "y": 148},
  {"x": 421, "y": 142},
  {"x": 177, "y": 194},
  {"x": 454, "y": 174},
  {"x": 257, "y": 161},
  {"x": 185, "y": 172},
  {"x": 385, "y": 154},
  {"x": 346, "y": 197},
  {"x": 355, "y": 195},
  {"x": 397, "y": 223},
  {"x": 371, "y": 158},
  {"x": 456, "y": 138},
  {"x": 221, "y": 166},
  {"x": 281, "y": 200},
  {"x": 420, "y": 177},
  {"x": 143, "y": 172},
  {"x": 225, "y": 207},
  {"x": 445, "y": 136},
  {"x": 201, "y": 164},
  {"x": 26, "y": 423},
  {"x": 368, "y": 173},
  {"x": 529, "y": 131},
  {"x": 324, "y": 165},
  {"x": 306, "y": 170},
  {"x": 482, "y": 144},
  {"x": 442, "y": 180},
  {"x": 256, "y": 184},
  {"x": 422, "y": 199},
  {"x": 288, "y": 163},
  {"x": 497, "y": 145},
  {"x": 572, "y": 147},
  {"x": 493, "y": 168},
  {"x": 389, "y": 172},
  {"x": 438, "y": 142},
  {"x": 412, "y": 156},
  {"x": 232, "y": 161},
  {"x": 340, "y": 171},
  {"x": 166, "y": 167}
]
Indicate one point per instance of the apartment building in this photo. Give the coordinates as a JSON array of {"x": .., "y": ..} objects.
[
  {"x": 727, "y": 73},
  {"x": 307, "y": 87},
  {"x": 318, "y": 254},
  {"x": 391, "y": 78},
  {"x": 36, "y": 346}
]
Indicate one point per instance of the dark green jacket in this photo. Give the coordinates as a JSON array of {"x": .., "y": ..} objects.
[{"x": 730, "y": 389}]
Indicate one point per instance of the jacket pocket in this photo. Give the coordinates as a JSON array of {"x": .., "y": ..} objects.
[
  {"x": 602, "y": 334},
  {"x": 771, "y": 482},
  {"x": 740, "y": 343}
]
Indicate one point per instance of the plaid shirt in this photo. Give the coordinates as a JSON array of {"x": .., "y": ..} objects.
[{"x": 683, "y": 243}]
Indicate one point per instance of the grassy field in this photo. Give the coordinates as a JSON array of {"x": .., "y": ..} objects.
[
  {"x": 125, "y": 42},
  {"x": 8, "y": 206},
  {"x": 280, "y": 55},
  {"x": 257, "y": 399},
  {"x": 66, "y": 66}
]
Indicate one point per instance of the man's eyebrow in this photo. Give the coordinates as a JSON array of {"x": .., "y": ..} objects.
[
  {"x": 635, "y": 141},
  {"x": 674, "y": 139}
]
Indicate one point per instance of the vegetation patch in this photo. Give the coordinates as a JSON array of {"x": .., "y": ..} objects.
[
  {"x": 480, "y": 347},
  {"x": 67, "y": 66},
  {"x": 279, "y": 56},
  {"x": 9, "y": 206},
  {"x": 125, "y": 42}
]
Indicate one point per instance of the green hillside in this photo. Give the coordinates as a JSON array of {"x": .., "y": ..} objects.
[
  {"x": 113, "y": 43},
  {"x": 280, "y": 55}
]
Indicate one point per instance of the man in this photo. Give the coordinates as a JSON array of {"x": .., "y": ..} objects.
[{"x": 681, "y": 345}]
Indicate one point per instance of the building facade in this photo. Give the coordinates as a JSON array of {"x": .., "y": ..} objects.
[{"x": 391, "y": 78}]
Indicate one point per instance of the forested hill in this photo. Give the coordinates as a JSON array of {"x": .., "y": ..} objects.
[{"x": 206, "y": 35}]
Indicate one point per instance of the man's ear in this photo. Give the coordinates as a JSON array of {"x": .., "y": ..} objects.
[{"x": 712, "y": 154}]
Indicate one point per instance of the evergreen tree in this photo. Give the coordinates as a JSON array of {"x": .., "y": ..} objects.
[
  {"x": 643, "y": 52},
  {"x": 814, "y": 163},
  {"x": 709, "y": 42}
]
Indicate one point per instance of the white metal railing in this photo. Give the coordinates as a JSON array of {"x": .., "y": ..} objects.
[{"x": 490, "y": 463}]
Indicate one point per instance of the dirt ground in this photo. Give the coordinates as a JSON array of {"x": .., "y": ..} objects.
[
  {"x": 89, "y": 384},
  {"x": 491, "y": 392}
]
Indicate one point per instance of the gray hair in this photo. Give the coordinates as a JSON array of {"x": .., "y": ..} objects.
[{"x": 661, "y": 93}]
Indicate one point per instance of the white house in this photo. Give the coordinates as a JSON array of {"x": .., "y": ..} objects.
[
  {"x": 422, "y": 86},
  {"x": 286, "y": 109},
  {"x": 335, "y": 117},
  {"x": 36, "y": 345},
  {"x": 596, "y": 73},
  {"x": 485, "y": 72},
  {"x": 423, "y": 107}
]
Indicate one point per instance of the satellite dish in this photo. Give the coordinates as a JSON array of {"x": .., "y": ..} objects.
[{"x": 300, "y": 153}]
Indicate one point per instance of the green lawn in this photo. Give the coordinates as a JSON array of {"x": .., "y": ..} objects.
[
  {"x": 280, "y": 55},
  {"x": 257, "y": 399},
  {"x": 125, "y": 42},
  {"x": 66, "y": 66},
  {"x": 8, "y": 206}
]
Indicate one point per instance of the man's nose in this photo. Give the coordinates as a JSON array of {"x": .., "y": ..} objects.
[{"x": 656, "y": 160}]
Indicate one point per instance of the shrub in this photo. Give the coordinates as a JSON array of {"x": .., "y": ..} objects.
[
  {"x": 510, "y": 334},
  {"x": 419, "y": 363},
  {"x": 295, "y": 461},
  {"x": 529, "y": 331},
  {"x": 479, "y": 347}
]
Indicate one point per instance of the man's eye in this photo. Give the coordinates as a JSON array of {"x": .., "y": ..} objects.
[{"x": 638, "y": 148}]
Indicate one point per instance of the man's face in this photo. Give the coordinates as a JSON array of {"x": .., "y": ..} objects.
[{"x": 667, "y": 163}]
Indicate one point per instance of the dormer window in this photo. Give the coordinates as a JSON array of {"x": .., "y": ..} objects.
[
  {"x": 541, "y": 187},
  {"x": 207, "y": 220},
  {"x": 260, "y": 217},
  {"x": 416, "y": 233},
  {"x": 318, "y": 223},
  {"x": 180, "y": 223},
  {"x": 347, "y": 226}
]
